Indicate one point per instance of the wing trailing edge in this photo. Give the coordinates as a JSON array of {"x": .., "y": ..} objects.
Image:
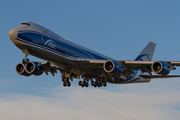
[{"x": 158, "y": 76}]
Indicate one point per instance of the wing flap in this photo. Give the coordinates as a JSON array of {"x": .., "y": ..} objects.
[{"x": 175, "y": 63}]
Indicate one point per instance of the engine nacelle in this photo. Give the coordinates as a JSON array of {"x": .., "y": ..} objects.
[
  {"x": 34, "y": 68},
  {"x": 160, "y": 68},
  {"x": 113, "y": 67},
  {"x": 20, "y": 69}
]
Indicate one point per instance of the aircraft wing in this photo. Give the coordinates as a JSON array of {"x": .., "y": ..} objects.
[
  {"x": 132, "y": 64},
  {"x": 140, "y": 63},
  {"x": 145, "y": 66},
  {"x": 129, "y": 66}
]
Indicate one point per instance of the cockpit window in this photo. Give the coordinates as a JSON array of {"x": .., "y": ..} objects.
[{"x": 25, "y": 24}]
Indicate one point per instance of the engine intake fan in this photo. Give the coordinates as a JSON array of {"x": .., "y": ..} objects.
[
  {"x": 160, "y": 68},
  {"x": 20, "y": 69},
  {"x": 113, "y": 67},
  {"x": 34, "y": 68}
]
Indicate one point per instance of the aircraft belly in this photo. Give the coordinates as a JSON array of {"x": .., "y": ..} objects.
[{"x": 58, "y": 60}]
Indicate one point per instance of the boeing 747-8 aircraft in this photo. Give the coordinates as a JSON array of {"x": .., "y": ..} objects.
[{"x": 74, "y": 61}]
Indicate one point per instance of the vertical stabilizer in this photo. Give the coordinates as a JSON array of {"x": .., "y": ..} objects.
[{"x": 147, "y": 53}]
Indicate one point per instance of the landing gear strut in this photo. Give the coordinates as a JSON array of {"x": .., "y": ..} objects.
[
  {"x": 66, "y": 82},
  {"x": 65, "y": 78},
  {"x": 25, "y": 60}
]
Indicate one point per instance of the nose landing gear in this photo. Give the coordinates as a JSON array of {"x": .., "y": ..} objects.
[{"x": 25, "y": 60}]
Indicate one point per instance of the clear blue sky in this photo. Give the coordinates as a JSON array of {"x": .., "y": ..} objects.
[{"x": 117, "y": 28}]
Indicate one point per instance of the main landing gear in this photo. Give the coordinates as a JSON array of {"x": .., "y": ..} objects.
[
  {"x": 98, "y": 83},
  {"x": 66, "y": 77},
  {"x": 66, "y": 82},
  {"x": 83, "y": 84}
]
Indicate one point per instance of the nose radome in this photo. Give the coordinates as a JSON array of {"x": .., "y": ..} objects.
[{"x": 12, "y": 34}]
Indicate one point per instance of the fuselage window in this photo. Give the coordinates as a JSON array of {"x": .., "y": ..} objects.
[{"x": 25, "y": 24}]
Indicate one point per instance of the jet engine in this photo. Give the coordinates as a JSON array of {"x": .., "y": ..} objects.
[
  {"x": 34, "y": 68},
  {"x": 160, "y": 68},
  {"x": 20, "y": 69},
  {"x": 113, "y": 67}
]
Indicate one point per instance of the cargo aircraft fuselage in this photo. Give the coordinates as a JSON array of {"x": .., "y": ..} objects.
[{"x": 75, "y": 61}]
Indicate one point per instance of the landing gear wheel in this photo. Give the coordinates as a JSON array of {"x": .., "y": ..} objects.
[
  {"x": 63, "y": 79},
  {"x": 86, "y": 84},
  {"x": 92, "y": 83},
  {"x": 99, "y": 84},
  {"x": 68, "y": 84},
  {"x": 105, "y": 84},
  {"x": 67, "y": 79},
  {"x": 64, "y": 84},
  {"x": 80, "y": 83},
  {"x": 96, "y": 83}
]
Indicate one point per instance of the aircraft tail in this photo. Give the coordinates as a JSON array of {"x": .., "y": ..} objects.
[{"x": 147, "y": 53}]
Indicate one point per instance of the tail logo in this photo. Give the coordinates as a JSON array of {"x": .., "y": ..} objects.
[{"x": 141, "y": 57}]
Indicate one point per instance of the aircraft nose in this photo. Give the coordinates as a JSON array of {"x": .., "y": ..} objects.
[{"x": 12, "y": 34}]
